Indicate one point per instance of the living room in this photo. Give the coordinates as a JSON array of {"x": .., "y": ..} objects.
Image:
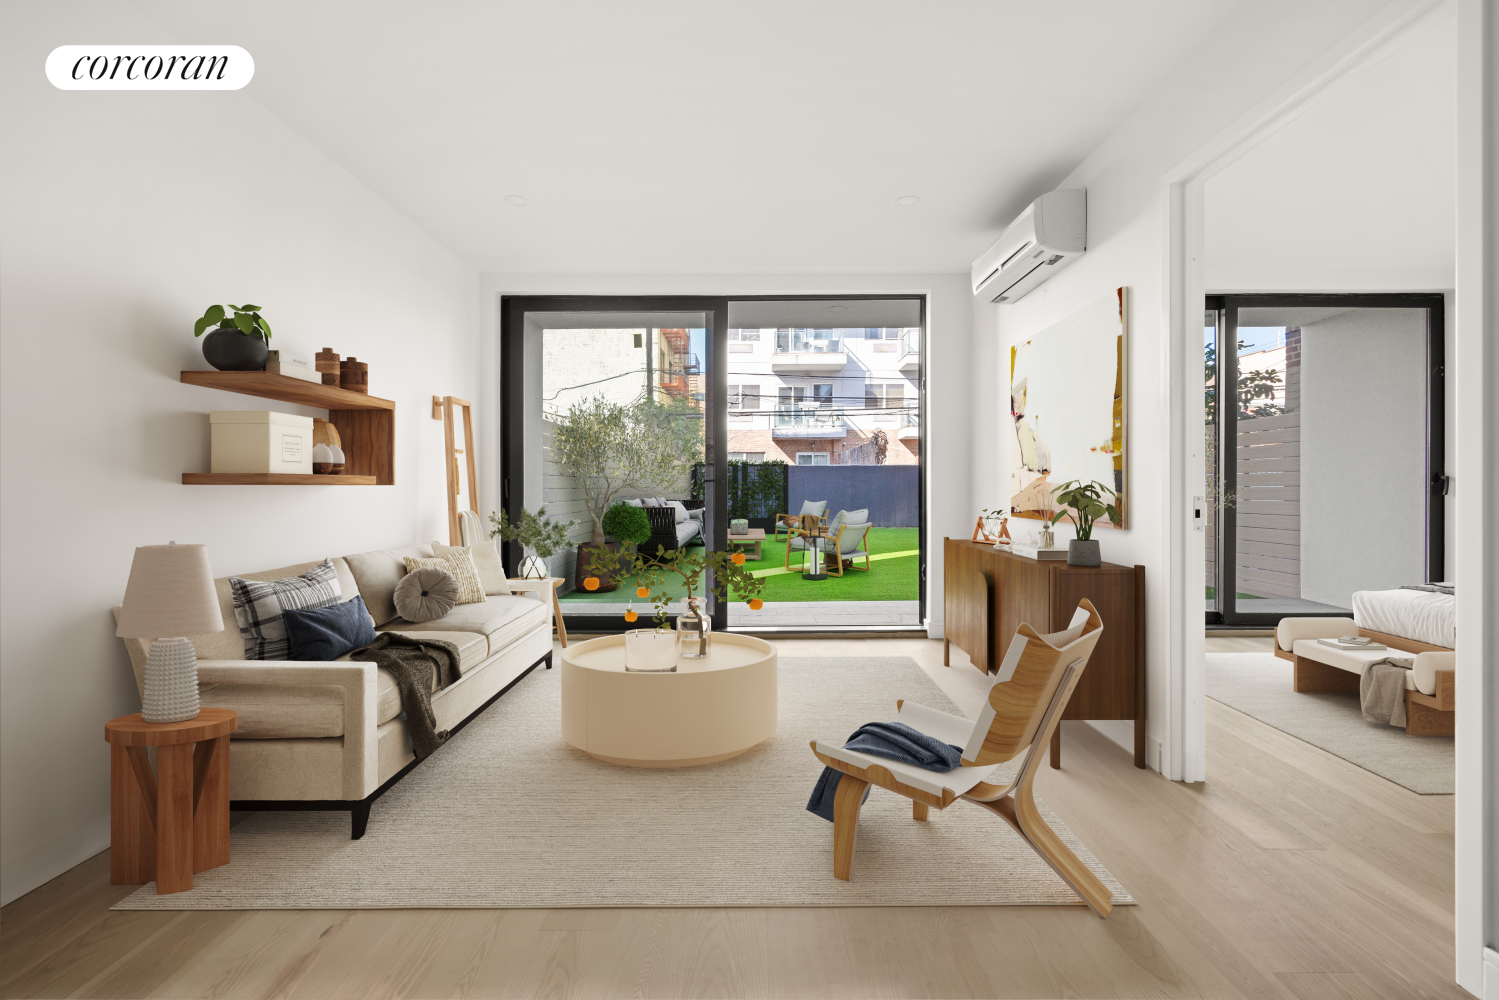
[{"x": 420, "y": 227}]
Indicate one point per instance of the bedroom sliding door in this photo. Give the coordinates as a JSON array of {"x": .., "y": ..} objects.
[{"x": 1325, "y": 413}]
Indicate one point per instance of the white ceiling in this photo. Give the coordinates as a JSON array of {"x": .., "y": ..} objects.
[
  {"x": 705, "y": 137},
  {"x": 1363, "y": 180}
]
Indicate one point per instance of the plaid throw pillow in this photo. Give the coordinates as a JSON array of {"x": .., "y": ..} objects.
[
  {"x": 459, "y": 561},
  {"x": 258, "y": 605}
]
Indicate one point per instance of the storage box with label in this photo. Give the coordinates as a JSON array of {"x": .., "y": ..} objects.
[{"x": 260, "y": 441}]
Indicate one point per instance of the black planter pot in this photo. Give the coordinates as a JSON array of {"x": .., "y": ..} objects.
[
  {"x": 584, "y": 568},
  {"x": 232, "y": 351},
  {"x": 1083, "y": 553}
]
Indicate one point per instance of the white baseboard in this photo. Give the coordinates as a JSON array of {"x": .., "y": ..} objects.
[
  {"x": 1119, "y": 731},
  {"x": 1490, "y": 974},
  {"x": 1153, "y": 754},
  {"x": 43, "y": 863}
]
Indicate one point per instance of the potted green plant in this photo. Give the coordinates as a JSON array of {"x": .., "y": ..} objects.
[
  {"x": 626, "y": 523},
  {"x": 694, "y": 627},
  {"x": 539, "y": 536},
  {"x": 612, "y": 449},
  {"x": 240, "y": 342},
  {"x": 1084, "y": 504}
]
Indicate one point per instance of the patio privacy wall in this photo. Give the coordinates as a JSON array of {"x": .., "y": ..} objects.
[{"x": 892, "y": 493}]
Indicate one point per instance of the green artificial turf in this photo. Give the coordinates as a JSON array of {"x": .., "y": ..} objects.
[
  {"x": 894, "y": 575},
  {"x": 1213, "y": 592}
]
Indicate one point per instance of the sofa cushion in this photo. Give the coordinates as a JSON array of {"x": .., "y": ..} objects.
[
  {"x": 486, "y": 560},
  {"x": 426, "y": 594},
  {"x": 500, "y": 619},
  {"x": 269, "y": 712},
  {"x": 328, "y": 633},
  {"x": 460, "y": 563},
  {"x": 259, "y": 607},
  {"x": 376, "y": 575}
]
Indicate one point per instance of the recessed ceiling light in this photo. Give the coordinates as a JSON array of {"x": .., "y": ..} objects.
[
  {"x": 517, "y": 200},
  {"x": 907, "y": 199}
]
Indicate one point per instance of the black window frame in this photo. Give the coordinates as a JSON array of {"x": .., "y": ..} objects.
[{"x": 1225, "y": 613}]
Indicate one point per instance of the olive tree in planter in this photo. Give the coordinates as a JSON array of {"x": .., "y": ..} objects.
[{"x": 613, "y": 449}]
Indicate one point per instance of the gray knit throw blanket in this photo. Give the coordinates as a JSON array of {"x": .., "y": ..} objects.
[{"x": 414, "y": 663}]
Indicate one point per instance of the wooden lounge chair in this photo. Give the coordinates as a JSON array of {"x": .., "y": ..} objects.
[{"x": 1024, "y": 707}]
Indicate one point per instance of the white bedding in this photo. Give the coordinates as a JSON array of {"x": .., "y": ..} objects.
[{"x": 1414, "y": 614}]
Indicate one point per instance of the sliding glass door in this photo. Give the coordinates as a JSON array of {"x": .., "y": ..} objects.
[
  {"x": 739, "y": 412},
  {"x": 1325, "y": 451}
]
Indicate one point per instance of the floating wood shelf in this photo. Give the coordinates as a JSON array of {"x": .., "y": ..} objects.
[
  {"x": 270, "y": 479},
  {"x": 288, "y": 390},
  {"x": 366, "y": 425}
]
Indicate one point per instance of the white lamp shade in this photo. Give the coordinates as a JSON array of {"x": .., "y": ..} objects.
[{"x": 170, "y": 593}]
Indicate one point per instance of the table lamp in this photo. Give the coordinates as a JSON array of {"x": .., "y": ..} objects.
[{"x": 171, "y": 595}]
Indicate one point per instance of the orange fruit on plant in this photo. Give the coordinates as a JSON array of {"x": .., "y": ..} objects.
[
  {"x": 756, "y": 604},
  {"x": 642, "y": 592},
  {"x": 630, "y": 616},
  {"x": 592, "y": 583},
  {"x": 738, "y": 558}
]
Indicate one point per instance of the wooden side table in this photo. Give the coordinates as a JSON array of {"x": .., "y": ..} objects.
[
  {"x": 168, "y": 825},
  {"x": 755, "y": 537},
  {"x": 540, "y": 588}
]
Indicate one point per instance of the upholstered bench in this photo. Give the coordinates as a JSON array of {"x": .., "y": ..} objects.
[{"x": 1430, "y": 698}]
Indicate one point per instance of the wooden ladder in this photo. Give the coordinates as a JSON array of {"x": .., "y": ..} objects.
[{"x": 442, "y": 409}]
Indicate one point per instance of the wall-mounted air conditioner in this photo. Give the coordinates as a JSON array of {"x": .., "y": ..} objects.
[{"x": 1048, "y": 236}]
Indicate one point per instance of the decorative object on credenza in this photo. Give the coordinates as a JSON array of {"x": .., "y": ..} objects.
[
  {"x": 260, "y": 441},
  {"x": 1084, "y": 504},
  {"x": 739, "y": 526},
  {"x": 1003, "y": 540},
  {"x": 980, "y": 531},
  {"x": 538, "y": 535},
  {"x": 240, "y": 343},
  {"x": 354, "y": 375},
  {"x": 169, "y": 596},
  {"x": 326, "y": 362},
  {"x": 1067, "y": 407},
  {"x": 1032, "y": 551}
]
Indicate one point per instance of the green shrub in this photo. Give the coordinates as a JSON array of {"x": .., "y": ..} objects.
[{"x": 627, "y": 523}]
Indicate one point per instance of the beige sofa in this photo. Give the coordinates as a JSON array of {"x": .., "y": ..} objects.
[
  {"x": 315, "y": 735},
  {"x": 1430, "y": 688}
]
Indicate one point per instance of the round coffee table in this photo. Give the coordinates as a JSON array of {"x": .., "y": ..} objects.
[{"x": 708, "y": 710}]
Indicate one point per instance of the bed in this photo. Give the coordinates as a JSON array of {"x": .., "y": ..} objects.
[
  {"x": 1420, "y": 623},
  {"x": 1412, "y": 614}
]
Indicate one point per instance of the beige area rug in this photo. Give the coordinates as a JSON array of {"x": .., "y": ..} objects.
[
  {"x": 1259, "y": 685},
  {"x": 508, "y": 815}
]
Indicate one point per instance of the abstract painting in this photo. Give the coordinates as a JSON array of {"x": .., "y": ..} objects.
[{"x": 1067, "y": 408}]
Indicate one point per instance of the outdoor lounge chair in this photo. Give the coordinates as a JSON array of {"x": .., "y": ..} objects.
[
  {"x": 787, "y": 522},
  {"x": 1023, "y": 709},
  {"x": 851, "y": 543}
]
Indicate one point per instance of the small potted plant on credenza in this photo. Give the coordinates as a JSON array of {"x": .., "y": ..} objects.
[{"x": 1083, "y": 504}]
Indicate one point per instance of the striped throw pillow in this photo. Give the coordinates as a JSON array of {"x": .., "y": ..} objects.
[
  {"x": 459, "y": 561},
  {"x": 258, "y": 605}
]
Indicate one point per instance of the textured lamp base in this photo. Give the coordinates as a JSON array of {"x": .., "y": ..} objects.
[{"x": 171, "y": 693}]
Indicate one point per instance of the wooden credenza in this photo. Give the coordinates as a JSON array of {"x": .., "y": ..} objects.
[{"x": 987, "y": 595}]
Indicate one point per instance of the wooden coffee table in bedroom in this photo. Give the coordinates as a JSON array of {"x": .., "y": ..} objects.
[{"x": 708, "y": 710}]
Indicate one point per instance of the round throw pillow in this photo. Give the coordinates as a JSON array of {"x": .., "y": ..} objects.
[{"x": 426, "y": 594}]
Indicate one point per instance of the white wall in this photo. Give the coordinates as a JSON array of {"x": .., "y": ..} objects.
[
  {"x": 1260, "y": 48},
  {"x": 1363, "y": 453},
  {"x": 124, "y": 216},
  {"x": 947, "y": 421}
]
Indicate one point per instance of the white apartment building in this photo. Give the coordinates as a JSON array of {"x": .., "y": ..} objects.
[{"x": 825, "y": 397}]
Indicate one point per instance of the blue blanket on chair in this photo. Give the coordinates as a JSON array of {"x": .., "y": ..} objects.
[{"x": 895, "y": 740}]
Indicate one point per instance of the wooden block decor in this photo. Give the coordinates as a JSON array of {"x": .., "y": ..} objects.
[
  {"x": 354, "y": 375},
  {"x": 327, "y": 365}
]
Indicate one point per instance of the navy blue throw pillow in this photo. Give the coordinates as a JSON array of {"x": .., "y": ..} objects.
[{"x": 328, "y": 633}]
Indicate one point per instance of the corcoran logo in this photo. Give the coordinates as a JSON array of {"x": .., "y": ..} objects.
[{"x": 149, "y": 67}]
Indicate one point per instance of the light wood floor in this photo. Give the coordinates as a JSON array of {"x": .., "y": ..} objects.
[{"x": 1288, "y": 874}]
